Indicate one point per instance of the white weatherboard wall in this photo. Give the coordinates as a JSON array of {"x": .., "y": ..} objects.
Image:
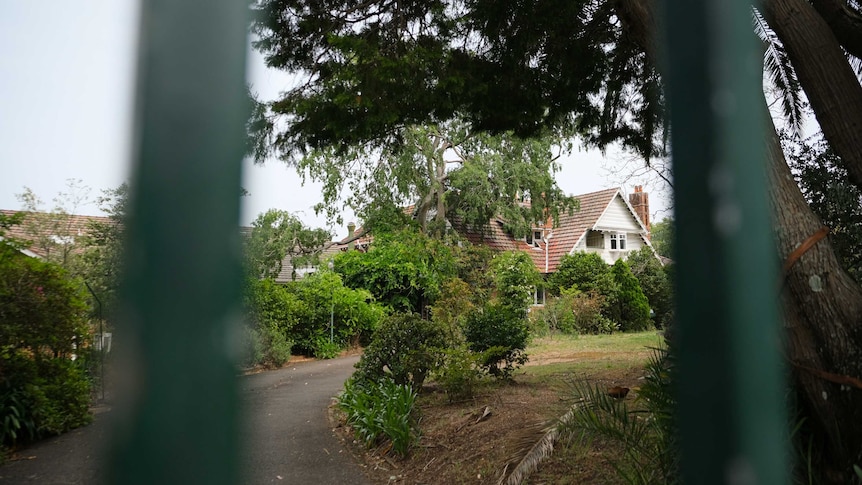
[{"x": 618, "y": 219}]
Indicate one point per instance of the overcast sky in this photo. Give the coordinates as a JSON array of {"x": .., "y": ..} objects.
[{"x": 66, "y": 76}]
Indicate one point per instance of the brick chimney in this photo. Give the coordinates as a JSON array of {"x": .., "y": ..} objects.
[
  {"x": 351, "y": 227},
  {"x": 639, "y": 201}
]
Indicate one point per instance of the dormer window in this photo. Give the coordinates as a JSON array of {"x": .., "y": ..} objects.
[
  {"x": 618, "y": 242},
  {"x": 534, "y": 237}
]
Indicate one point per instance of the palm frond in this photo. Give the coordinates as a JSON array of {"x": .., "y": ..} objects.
[
  {"x": 533, "y": 453},
  {"x": 781, "y": 73}
]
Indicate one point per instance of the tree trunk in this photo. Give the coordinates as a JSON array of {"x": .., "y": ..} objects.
[
  {"x": 823, "y": 322},
  {"x": 822, "y": 304},
  {"x": 845, "y": 22},
  {"x": 824, "y": 73}
]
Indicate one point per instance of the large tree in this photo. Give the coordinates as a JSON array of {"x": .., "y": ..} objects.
[
  {"x": 276, "y": 235},
  {"x": 590, "y": 66},
  {"x": 443, "y": 172}
]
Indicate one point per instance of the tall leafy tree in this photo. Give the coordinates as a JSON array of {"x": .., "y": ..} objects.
[
  {"x": 276, "y": 235},
  {"x": 102, "y": 257},
  {"x": 51, "y": 231},
  {"x": 591, "y": 66},
  {"x": 445, "y": 172},
  {"x": 662, "y": 234}
]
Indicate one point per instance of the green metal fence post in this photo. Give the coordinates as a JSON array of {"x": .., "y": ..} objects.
[
  {"x": 181, "y": 292},
  {"x": 730, "y": 385}
]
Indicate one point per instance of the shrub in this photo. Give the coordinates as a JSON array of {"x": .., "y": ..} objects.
[
  {"x": 587, "y": 272},
  {"x": 460, "y": 373},
  {"x": 42, "y": 397},
  {"x": 630, "y": 306},
  {"x": 353, "y": 314},
  {"x": 380, "y": 409},
  {"x": 42, "y": 324},
  {"x": 404, "y": 349},
  {"x": 516, "y": 278},
  {"x": 273, "y": 313},
  {"x": 500, "y": 334},
  {"x": 655, "y": 283}
]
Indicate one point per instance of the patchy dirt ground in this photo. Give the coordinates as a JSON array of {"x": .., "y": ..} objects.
[{"x": 459, "y": 446}]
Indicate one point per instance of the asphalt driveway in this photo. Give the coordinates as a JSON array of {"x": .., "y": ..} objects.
[{"x": 285, "y": 438}]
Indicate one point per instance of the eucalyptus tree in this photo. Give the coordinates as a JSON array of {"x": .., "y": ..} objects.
[
  {"x": 276, "y": 235},
  {"x": 588, "y": 67},
  {"x": 443, "y": 173}
]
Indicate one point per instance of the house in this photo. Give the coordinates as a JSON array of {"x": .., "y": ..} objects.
[
  {"x": 52, "y": 236},
  {"x": 358, "y": 240},
  {"x": 607, "y": 223}
]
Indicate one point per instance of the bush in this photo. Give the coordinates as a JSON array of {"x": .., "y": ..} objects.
[
  {"x": 460, "y": 373},
  {"x": 655, "y": 283},
  {"x": 42, "y": 325},
  {"x": 587, "y": 272},
  {"x": 264, "y": 346},
  {"x": 380, "y": 409},
  {"x": 630, "y": 306},
  {"x": 353, "y": 314},
  {"x": 500, "y": 334},
  {"x": 405, "y": 349},
  {"x": 42, "y": 397},
  {"x": 516, "y": 278}
]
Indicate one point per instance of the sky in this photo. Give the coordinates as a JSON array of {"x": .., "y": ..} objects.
[{"x": 66, "y": 84}]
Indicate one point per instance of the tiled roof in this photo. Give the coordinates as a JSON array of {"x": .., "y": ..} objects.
[
  {"x": 563, "y": 238},
  {"x": 573, "y": 227},
  {"x": 52, "y": 227}
]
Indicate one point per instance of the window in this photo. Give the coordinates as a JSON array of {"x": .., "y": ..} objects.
[
  {"x": 618, "y": 242},
  {"x": 595, "y": 239},
  {"x": 539, "y": 296},
  {"x": 534, "y": 237}
]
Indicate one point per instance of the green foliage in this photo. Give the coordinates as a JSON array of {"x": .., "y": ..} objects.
[
  {"x": 573, "y": 312},
  {"x": 474, "y": 268},
  {"x": 43, "y": 396},
  {"x": 500, "y": 333},
  {"x": 299, "y": 315},
  {"x": 452, "y": 308},
  {"x": 102, "y": 259},
  {"x": 630, "y": 305},
  {"x": 353, "y": 312},
  {"x": 460, "y": 373},
  {"x": 655, "y": 283},
  {"x": 42, "y": 310},
  {"x": 265, "y": 346},
  {"x": 585, "y": 271},
  {"x": 378, "y": 67},
  {"x": 404, "y": 349},
  {"x": 404, "y": 270},
  {"x": 278, "y": 234},
  {"x": 380, "y": 409},
  {"x": 662, "y": 235},
  {"x": 837, "y": 202},
  {"x": 42, "y": 321},
  {"x": 647, "y": 434},
  {"x": 50, "y": 231},
  {"x": 460, "y": 176},
  {"x": 516, "y": 278}
]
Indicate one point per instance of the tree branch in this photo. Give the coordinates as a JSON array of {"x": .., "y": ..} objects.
[
  {"x": 845, "y": 21},
  {"x": 825, "y": 75}
]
